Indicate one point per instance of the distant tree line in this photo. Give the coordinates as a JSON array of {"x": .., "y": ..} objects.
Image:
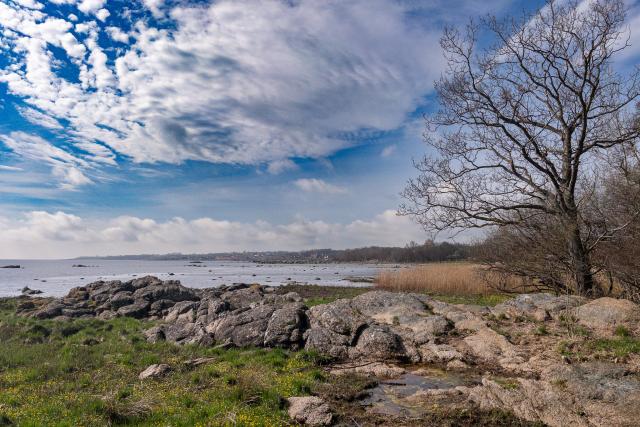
[{"x": 413, "y": 252}]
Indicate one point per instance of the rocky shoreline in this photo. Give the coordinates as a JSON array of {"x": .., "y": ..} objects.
[{"x": 531, "y": 354}]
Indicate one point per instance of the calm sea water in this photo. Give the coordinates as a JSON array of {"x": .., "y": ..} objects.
[{"x": 56, "y": 277}]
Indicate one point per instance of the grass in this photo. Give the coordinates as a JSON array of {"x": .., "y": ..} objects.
[
  {"x": 452, "y": 282},
  {"x": 317, "y": 294},
  {"x": 618, "y": 347},
  {"x": 85, "y": 373}
]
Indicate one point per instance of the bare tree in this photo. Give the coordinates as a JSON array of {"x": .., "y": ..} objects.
[{"x": 521, "y": 124}]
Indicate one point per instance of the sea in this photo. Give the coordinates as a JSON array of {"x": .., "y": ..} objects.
[{"x": 57, "y": 277}]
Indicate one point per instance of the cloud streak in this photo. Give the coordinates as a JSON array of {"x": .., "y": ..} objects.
[{"x": 314, "y": 185}]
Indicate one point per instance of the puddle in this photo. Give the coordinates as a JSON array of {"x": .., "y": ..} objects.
[{"x": 389, "y": 397}]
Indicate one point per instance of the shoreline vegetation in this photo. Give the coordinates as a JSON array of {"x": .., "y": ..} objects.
[
  {"x": 413, "y": 252},
  {"x": 85, "y": 372}
]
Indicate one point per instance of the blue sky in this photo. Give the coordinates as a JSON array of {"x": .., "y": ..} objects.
[{"x": 159, "y": 125}]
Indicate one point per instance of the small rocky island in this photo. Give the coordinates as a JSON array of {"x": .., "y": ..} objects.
[{"x": 528, "y": 356}]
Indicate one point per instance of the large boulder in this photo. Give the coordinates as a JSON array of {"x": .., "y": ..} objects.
[
  {"x": 604, "y": 315},
  {"x": 538, "y": 307},
  {"x": 286, "y": 326},
  {"x": 378, "y": 342},
  {"x": 242, "y": 328},
  {"x": 334, "y": 328}
]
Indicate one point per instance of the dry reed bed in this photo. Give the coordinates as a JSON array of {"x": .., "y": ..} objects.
[{"x": 448, "y": 278}]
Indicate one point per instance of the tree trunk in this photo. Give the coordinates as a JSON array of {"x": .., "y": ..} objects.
[{"x": 580, "y": 261}]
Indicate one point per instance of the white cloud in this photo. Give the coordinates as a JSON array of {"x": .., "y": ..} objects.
[
  {"x": 59, "y": 234},
  {"x": 31, "y": 4},
  {"x": 279, "y": 166},
  {"x": 388, "y": 150},
  {"x": 10, "y": 168},
  {"x": 155, "y": 6},
  {"x": 91, "y": 6},
  {"x": 234, "y": 82},
  {"x": 314, "y": 185},
  {"x": 103, "y": 14},
  {"x": 117, "y": 34},
  {"x": 67, "y": 168},
  {"x": 39, "y": 118}
]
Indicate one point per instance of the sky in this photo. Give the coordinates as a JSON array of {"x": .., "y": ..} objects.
[{"x": 159, "y": 126}]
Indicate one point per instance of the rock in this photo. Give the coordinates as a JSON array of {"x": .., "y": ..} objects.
[
  {"x": 539, "y": 307},
  {"x": 391, "y": 307},
  {"x": 327, "y": 342},
  {"x": 531, "y": 400},
  {"x": 107, "y": 315},
  {"x": 377, "y": 369},
  {"x": 155, "y": 334},
  {"x": 193, "y": 363},
  {"x": 169, "y": 290},
  {"x": 339, "y": 317},
  {"x": 333, "y": 328},
  {"x": 489, "y": 346},
  {"x": 456, "y": 365},
  {"x": 155, "y": 371},
  {"x": 439, "y": 353},
  {"x": 138, "y": 309},
  {"x": 51, "y": 310},
  {"x": 186, "y": 333},
  {"x": 462, "y": 320},
  {"x": 121, "y": 299},
  {"x": 183, "y": 311},
  {"x": 242, "y": 297},
  {"x": 244, "y": 329},
  {"x": 11, "y": 266},
  {"x": 310, "y": 411},
  {"x": 604, "y": 315},
  {"x": 378, "y": 342},
  {"x": 28, "y": 291},
  {"x": 286, "y": 327}
]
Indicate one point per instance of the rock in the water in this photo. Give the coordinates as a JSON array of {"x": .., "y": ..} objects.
[
  {"x": 28, "y": 291},
  {"x": 155, "y": 371},
  {"x": 310, "y": 411},
  {"x": 377, "y": 369}
]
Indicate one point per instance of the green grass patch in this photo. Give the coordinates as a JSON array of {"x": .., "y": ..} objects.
[
  {"x": 85, "y": 373},
  {"x": 621, "y": 346},
  {"x": 490, "y": 300}
]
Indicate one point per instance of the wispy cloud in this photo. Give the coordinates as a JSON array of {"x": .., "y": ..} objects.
[
  {"x": 314, "y": 185},
  {"x": 388, "y": 150},
  {"x": 65, "y": 167},
  {"x": 10, "y": 168},
  {"x": 279, "y": 166}
]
